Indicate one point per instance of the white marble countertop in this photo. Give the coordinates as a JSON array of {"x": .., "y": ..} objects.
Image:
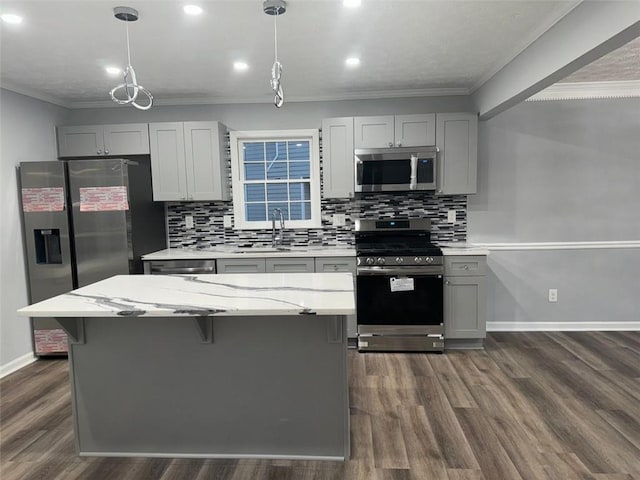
[
  {"x": 462, "y": 248},
  {"x": 201, "y": 295},
  {"x": 249, "y": 252}
]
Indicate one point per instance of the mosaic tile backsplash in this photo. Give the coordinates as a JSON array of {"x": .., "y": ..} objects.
[{"x": 208, "y": 228}]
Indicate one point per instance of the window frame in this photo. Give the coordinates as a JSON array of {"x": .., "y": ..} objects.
[{"x": 237, "y": 138}]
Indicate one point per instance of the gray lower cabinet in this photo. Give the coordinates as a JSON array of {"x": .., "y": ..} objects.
[
  {"x": 289, "y": 265},
  {"x": 241, "y": 265},
  {"x": 341, "y": 264},
  {"x": 465, "y": 299}
]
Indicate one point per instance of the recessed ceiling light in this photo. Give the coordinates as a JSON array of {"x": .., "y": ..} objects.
[
  {"x": 351, "y": 3},
  {"x": 352, "y": 61},
  {"x": 192, "y": 9},
  {"x": 240, "y": 66},
  {"x": 113, "y": 71},
  {"x": 11, "y": 18}
]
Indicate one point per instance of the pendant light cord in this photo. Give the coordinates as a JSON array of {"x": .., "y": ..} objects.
[
  {"x": 126, "y": 24},
  {"x": 275, "y": 36}
]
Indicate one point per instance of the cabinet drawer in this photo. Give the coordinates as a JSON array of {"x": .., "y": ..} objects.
[
  {"x": 241, "y": 265},
  {"x": 332, "y": 264},
  {"x": 465, "y": 265},
  {"x": 289, "y": 265}
]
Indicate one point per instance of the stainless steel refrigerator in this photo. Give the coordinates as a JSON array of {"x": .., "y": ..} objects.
[{"x": 84, "y": 221}]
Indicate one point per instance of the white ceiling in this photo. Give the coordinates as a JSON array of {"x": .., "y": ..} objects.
[{"x": 407, "y": 48}]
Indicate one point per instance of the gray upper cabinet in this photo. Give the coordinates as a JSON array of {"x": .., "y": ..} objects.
[
  {"x": 188, "y": 161},
  {"x": 395, "y": 131},
  {"x": 374, "y": 132},
  {"x": 337, "y": 157},
  {"x": 415, "y": 130},
  {"x": 103, "y": 140},
  {"x": 457, "y": 141}
]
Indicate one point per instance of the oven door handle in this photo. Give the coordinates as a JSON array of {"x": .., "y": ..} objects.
[{"x": 420, "y": 271}]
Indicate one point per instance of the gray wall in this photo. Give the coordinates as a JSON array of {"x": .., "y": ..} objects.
[
  {"x": 27, "y": 133},
  {"x": 561, "y": 171}
]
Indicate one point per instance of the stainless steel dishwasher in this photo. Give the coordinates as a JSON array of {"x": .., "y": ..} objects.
[{"x": 176, "y": 267}]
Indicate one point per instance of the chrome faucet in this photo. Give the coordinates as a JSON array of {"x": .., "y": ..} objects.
[{"x": 276, "y": 240}]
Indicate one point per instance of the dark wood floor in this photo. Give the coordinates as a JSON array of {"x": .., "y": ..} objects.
[{"x": 532, "y": 406}]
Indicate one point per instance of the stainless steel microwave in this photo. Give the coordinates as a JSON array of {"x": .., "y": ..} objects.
[{"x": 395, "y": 169}]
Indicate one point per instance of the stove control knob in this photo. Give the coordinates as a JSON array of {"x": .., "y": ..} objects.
[
  {"x": 429, "y": 259},
  {"x": 418, "y": 259},
  {"x": 380, "y": 261},
  {"x": 399, "y": 259},
  {"x": 369, "y": 261}
]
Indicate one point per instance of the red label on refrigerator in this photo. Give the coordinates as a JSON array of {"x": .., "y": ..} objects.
[
  {"x": 49, "y": 199},
  {"x": 103, "y": 199}
]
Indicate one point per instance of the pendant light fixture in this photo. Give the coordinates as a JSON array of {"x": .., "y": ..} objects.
[
  {"x": 130, "y": 88},
  {"x": 276, "y": 8}
]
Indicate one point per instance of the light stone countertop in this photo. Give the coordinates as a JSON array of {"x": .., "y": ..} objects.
[
  {"x": 461, "y": 248},
  {"x": 202, "y": 295},
  {"x": 248, "y": 252}
]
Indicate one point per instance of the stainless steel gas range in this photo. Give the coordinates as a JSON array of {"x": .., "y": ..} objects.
[{"x": 399, "y": 286}]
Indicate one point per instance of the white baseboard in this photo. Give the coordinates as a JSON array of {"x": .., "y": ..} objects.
[
  {"x": 562, "y": 326},
  {"x": 17, "y": 364}
]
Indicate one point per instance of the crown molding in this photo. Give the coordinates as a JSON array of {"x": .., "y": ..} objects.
[
  {"x": 207, "y": 100},
  {"x": 34, "y": 94},
  {"x": 587, "y": 91}
]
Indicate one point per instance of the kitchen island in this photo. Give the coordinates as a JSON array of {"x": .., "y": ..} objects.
[{"x": 209, "y": 365}]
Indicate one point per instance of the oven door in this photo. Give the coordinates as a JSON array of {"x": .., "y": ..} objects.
[
  {"x": 405, "y": 299},
  {"x": 397, "y": 169}
]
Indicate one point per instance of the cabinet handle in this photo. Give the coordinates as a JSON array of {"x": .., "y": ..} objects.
[
  {"x": 447, "y": 282},
  {"x": 182, "y": 198},
  {"x": 399, "y": 144},
  {"x": 391, "y": 144},
  {"x": 466, "y": 267},
  {"x": 99, "y": 151},
  {"x": 106, "y": 152}
]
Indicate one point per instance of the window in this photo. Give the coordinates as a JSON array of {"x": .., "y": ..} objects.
[{"x": 276, "y": 169}]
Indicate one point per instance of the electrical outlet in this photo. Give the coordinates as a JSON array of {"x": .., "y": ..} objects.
[
  {"x": 188, "y": 221},
  {"x": 553, "y": 295},
  {"x": 451, "y": 216},
  {"x": 227, "y": 221},
  {"x": 339, "y": 220}
]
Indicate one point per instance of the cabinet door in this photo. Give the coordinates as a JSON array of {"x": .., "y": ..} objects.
[
  {"x": 241, "y": 265},
  {"x": 207, "y": 177},
  {"x": 464, "y": 307},
  {"x": 126, "y": 139},
  {"x": 341, "y": 264},
  {"x": 374, "y": 132},
  {"x": 415, "y": 130},
  {"x": 457, "y": 140},
  {"x": 83, "y": 141},
  {"x": 337, "y": 157},
  {"x": 168, "y": 161},
  {"x": 289, "y": 265}
]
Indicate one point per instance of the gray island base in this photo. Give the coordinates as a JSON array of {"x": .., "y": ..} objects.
[{"x": 263, "y": 377}]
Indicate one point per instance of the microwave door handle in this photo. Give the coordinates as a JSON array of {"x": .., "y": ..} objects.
[
  {"x": 359, "y": 168},
  {"x": 414, "y": 173}
]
